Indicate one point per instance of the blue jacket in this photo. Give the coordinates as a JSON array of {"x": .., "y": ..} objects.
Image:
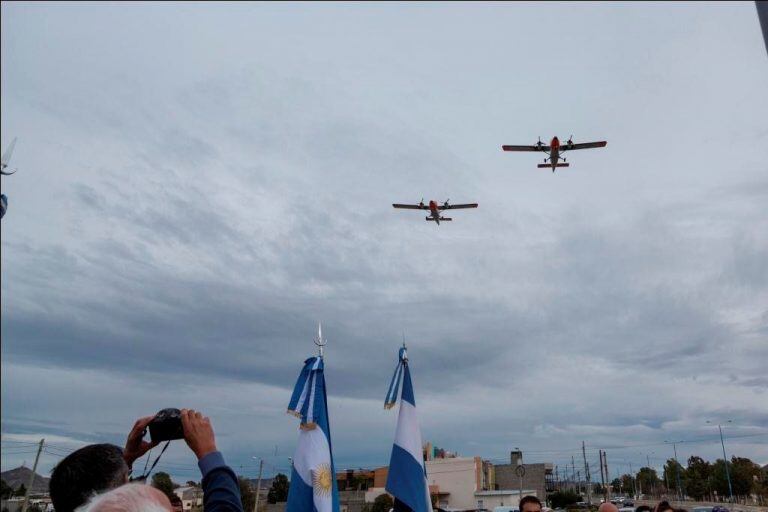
[{"x": 221, "y": 490}]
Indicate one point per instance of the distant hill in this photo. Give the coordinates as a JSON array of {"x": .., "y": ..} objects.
[{"x": 16, "y": 477}]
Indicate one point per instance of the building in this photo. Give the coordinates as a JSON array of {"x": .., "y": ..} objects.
[
  {"x": 358, "y": 487},
  {"x": 190, "y": 497},
  {"x": 501, "y": 498},
  {"x": 538, "y": 477},
  {"x": 431, "y": 452},
  {"x": 457, "y": 481}
]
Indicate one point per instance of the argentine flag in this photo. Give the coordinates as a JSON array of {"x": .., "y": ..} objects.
[
  {"x": 407, "y": 477},
  {"x": 313, "y": 478}
]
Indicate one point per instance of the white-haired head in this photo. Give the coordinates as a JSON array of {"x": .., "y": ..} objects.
[{"x": 129, "y": 498}]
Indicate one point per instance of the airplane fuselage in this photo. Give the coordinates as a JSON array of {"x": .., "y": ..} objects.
[
  {"x": 554, "y": 152},
  {"x": 434, "y": 212}
]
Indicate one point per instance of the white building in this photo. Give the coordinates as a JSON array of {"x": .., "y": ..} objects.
[
  {"x": 505, "y": 498},
  {"x": 190, "y": 497}
]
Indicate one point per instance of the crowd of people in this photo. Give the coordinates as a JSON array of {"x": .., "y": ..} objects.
[{"x": 99, "y": 477}]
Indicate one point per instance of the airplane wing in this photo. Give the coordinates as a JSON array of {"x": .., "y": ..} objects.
[
  {"x": 410, "y": 206},
  {"x": 583, "y": 145},
  {"x": 6, "y": 158},
  {"x": 456, "y": 206},
  {"x": 525, "y": 148}
]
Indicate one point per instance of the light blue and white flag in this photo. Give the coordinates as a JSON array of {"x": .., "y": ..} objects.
[
  {"x": 407, "y": 477},
  {"x": 313, "y": 478}
]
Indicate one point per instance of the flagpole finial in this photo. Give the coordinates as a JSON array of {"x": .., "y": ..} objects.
[{"x": 320, "y": 341}]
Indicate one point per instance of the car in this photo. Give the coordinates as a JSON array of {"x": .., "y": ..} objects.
[{"x": 718, "y": 508}]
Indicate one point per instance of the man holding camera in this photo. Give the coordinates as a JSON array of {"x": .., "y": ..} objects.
[{"x": 98, "y": 468}]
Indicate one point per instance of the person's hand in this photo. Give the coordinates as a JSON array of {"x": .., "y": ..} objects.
[
  {"x": 198, "y": 433},
  {"x": 135, "y": 446}
]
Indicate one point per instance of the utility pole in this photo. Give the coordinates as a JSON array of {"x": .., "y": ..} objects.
[
  {"x": 586, "y": 473},
  {"x": 607, "y": 488},
  {"x": 258, "y": 486},
  {"x": 677, "y": 472},
  {"x": 634, "y": 480},
  {"x": 602, "y": 477},
  {"x": 573, "y": 468},
  {"x": 32, "y": 477}
]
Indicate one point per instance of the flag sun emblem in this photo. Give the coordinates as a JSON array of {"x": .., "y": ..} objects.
[{"x": 321, "y": 480}]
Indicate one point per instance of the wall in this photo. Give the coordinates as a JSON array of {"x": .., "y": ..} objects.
[
  {"x": 459, "y": 477},
  {"x": 535, "y": 478}
]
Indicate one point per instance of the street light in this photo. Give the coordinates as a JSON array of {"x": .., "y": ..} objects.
[
  {"x": 677, "y": 469},
  {"x": 725, "y": 459}
]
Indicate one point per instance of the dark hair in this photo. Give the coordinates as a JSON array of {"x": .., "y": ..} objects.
[
  {"x": 663, "y": 506},
  {"x": 85, "y": 472},
  {"x": 526, "y": 499}
]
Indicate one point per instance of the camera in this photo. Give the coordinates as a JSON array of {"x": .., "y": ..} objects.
[{"x": 166, "y": 426}]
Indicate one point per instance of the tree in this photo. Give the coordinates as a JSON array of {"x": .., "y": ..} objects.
[
  {"x": 21, "y": 491},
  {"x": 628, "y": 485},
  {"x": 192, "y": 483},
  {"x": 247, "y": 494},
  {"x": 279, "y": 490},
  {"x": 6, "y": 491},
  {"x": 744, "y": 474},
  {"x": 561, "y": 499},
  {"x": 647, "y": 480},
  {"x": 382, "y": 503},
  {"x": 672, "y": 471},
  {"x": 162, "y": 481},
  {"x": 697, "y": 476}
]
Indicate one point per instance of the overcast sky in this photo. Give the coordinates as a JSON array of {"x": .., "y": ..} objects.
[{"x": 200, "y": 184}]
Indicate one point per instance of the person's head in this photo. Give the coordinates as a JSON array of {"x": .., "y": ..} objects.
[
  {"x": 530, "y": 504},
  {"x": 664, "y": 506},
  {"x": 129, "y": 498},
  {"x": 608, "y": 507},
  {"x": 89, "y": 470}
]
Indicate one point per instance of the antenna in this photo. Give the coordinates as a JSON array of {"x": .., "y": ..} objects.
[{"x": 319, "y": 341}]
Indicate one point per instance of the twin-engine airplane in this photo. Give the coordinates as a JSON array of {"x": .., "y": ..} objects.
[
  {"x": 555, "y": 149},
  {"x": 435, "y": 209}
]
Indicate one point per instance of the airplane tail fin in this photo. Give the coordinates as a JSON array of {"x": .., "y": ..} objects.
[
  {"x": 549, "y": 166},
  {"x": 7, "y": 155}
]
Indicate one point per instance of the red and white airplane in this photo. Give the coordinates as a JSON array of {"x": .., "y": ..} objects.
[
  {"x": 435, "y": 209},
  {"x": 555, "y": 149}
]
